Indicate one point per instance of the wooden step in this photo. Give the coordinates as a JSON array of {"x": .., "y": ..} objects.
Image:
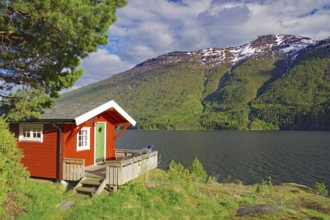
[
  {"x": 86, "y": 189},
  {"x": 92, "y": 181},
  {"x": 90, "y": 186}
]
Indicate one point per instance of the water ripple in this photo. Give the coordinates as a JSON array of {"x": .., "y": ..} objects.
[{"x": 286, "y": 156}]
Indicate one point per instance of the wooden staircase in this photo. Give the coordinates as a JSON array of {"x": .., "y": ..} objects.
[{"x": 89, "y": 187}]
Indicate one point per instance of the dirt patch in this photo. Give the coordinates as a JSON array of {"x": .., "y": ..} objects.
[
  {"x": 291, "y": 218},
  {"x": 160, "y": 184},
  {"x": 258, "y": 209},
  {"x": 66, "y": 205},
  {"x": 314, "y": 206},
  {"x": 299, "y": 186},
  {"x": 11, "y": 207}
]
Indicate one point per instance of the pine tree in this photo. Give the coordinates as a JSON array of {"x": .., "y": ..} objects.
[
  {"x": 12, "y": 173},
  {"x": 42, "y": 42}
]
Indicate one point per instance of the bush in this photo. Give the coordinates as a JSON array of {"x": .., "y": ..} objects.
[
  {"x": 177, "y": 172},
  {"x": 12, "y": 172},
  {"x": 266, "y": 186},
  {"x": 321, "y": 189},
  {"x": 197, "y": 171}
]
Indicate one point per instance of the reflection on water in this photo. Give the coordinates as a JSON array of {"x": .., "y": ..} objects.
[{"x": 287, "y": 156}]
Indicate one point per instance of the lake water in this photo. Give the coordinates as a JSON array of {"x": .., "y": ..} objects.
[{"x": 250, "y": 156}]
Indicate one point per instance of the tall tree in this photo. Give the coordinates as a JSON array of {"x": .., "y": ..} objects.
[{"x": 41, "y": 44}]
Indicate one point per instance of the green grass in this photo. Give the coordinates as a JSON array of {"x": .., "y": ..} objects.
[
  {"x": 172, "y": 198},
  {"x": 42, "y": 198}
]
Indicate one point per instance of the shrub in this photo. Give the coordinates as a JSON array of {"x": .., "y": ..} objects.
[
  {"x": 197, "y": 171},
  {"x": 321, "y": 189},
  {"x": 177, "y": 172},
  {"x": 12, "y": 173},
  {"x": 266, "y": 186}
]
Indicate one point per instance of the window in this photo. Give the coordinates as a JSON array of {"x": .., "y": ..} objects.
[
  {"x": 83, "y": 139},
  {"x": 31, "y": 132}
]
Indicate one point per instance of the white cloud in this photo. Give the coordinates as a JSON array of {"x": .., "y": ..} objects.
[
  {"x": 101, "y": 65},
  {"x": 149, "y": 28}
]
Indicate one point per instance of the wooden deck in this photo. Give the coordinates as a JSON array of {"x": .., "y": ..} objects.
[
  {"x": 128, "y": 165},
  {"x": 95, "y": 170}
]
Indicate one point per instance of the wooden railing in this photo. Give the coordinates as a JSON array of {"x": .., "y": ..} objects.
[
  {"x": 73, "y": 169},
  {"x": 119, "y": 172},
  {"x": 129, "y": 153}
]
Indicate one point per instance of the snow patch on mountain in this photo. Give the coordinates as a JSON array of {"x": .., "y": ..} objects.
[
  {"x": 284, "y": 44},
  {"x": 279, "y": 39},
  {"x": 293, "y": 43},
  {"x": 243, "y": 52},
  {"x": 213, "y": 56}
]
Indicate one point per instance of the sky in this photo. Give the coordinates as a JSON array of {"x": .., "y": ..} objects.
[{"x": 146, "y": 29}]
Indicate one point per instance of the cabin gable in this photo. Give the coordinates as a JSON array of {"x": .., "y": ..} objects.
[{"x": 71, "y": 139}]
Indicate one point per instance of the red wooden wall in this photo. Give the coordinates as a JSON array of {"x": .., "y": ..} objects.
[{"x": 39, "y": 158}]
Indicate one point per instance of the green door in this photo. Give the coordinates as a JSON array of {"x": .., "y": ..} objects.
[{"x": 100, "y": 135}]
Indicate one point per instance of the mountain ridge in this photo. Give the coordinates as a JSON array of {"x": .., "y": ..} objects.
[
  {"x": 220, "y": 88},
  {"x": 289, "y": 44}
]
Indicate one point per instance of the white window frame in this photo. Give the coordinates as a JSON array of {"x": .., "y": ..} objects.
[
  {"x": 86, "y": 146},
  {"x": 32, "y": 131}
]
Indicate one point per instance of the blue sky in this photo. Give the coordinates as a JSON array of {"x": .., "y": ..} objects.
[{"x": 149, "y": 28}]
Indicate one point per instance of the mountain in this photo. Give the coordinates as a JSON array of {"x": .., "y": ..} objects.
[{"x": 273, "y": 82}]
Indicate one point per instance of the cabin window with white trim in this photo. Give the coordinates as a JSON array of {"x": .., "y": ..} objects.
[
  {"x": 83, "y": 139},
  {"x": 31, "y": 132}
]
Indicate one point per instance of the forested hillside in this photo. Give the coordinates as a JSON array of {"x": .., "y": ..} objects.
[{"x": 274, "y": 82}]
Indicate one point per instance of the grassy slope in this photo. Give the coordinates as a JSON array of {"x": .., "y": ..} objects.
[
  {"x": 169, "y": 98},
  {"x": 228, "y": 107},
  {"x": 301, "y": 98},
  {"x": 174, "y": 199}
]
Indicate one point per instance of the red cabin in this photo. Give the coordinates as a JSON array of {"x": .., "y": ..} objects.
[{"x": 85, "y": 132}]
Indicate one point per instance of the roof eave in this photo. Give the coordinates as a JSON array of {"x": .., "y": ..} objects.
[
  {"x": 47, "y": 121},
  {"x": 111, "y": 104}
]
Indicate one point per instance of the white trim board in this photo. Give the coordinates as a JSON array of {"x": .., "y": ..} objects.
[{"x": 98, "y": 110}]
